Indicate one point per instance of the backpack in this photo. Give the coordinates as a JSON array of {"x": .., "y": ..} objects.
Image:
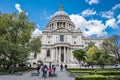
[{"x": 45, "y": 69}]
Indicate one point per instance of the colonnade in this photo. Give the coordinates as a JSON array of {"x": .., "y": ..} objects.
[{"x": 62, "y": 54}]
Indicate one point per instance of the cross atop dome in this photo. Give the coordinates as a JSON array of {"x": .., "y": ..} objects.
[{"x": 60, "y": 7}]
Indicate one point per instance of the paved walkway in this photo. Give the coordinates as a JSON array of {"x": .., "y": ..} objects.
[{"x": 27, "y": 76}]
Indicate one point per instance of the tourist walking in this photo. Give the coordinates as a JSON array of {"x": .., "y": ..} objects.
[
  {"x": 50, "y": 70},
  {"x": 61, "y": 67},
  {"x": 65, "y": 66},
  {"x": 38, "y": 68},
  {"x": 44, "y": 70},
  {"x": 54, "y": 69}
]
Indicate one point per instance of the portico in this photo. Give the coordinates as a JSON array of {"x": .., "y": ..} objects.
[{"x": 62, "y": 54}]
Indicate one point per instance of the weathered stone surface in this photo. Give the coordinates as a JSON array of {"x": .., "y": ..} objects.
[
  {"x": 53, "y": 75},
  {"x": 34, "y": 74},
  {"x": 4, "y": 73},
  {"x": 18, "y": 73},
  {"x": 27, "y": 76}
]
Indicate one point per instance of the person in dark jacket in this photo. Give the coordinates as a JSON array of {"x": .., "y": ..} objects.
[
  {"x": 61, "y": 67},
  {"x": 38, "y": 68},
  {"x": 65, "y": 66}
]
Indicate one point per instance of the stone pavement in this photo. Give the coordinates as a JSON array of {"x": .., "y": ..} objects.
[{"x": 27, "y": 76}]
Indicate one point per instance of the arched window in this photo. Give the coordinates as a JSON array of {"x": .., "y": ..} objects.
[
  {"x": 48, "y": 53},
  {"x": 61, "y": 37},
  {"x": 74, "y": 42}
]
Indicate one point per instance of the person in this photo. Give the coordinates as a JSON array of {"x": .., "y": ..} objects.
[
  {"x": 38, "y": 68},
  {"x": 42, "y": 71},
  {"x": 45, "y": 69},
  {"x": 50, "y": 70},
  {"x": 61, "y": 67},
  {"x": 65, "y": 66},
  {"x": 54, "y": 68}
]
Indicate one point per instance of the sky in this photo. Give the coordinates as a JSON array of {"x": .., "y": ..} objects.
[{"x": 95, "y": 18}]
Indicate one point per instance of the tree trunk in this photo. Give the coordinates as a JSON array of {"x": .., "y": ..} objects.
[
  {"x": 79, "y": 64},
  {"x": 4, "y": 66},
  {"x": 13, "y": 67}
]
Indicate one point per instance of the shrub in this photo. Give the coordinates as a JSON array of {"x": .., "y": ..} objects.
[
  {"x": 98, "y": 71},
  {"x": 96, "y": 77},
  {"x": 106, "y": 72},
  {"x": 17, "y": 69}
]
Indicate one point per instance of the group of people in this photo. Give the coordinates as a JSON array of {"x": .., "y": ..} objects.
[
  {"x": 46, "y": 69},
  {"x": 50, "y": 69},
  {"x": 61, "y": 67}
]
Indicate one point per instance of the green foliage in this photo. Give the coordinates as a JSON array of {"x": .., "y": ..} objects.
[
  {"x": 95, "y": 77},
  {"x": 79, "y": 55},
  {"x": 108, "y": 73},
  {"x": 35, "y": 45},
  {"x": 112, "y": 46},
  {"x": 91, "y": 44},
  {"x": 112, "y": 72},
  {"x": 15, "y": 33},
  {"x": 97, "y": 56},
  {"x": 91, "y": 59},
  {"x": 73, "y": 70},
  {"x": 17, "y": 69}
]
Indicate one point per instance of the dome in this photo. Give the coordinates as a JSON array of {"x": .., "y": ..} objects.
[
  {"x": 58, "y": 13},
  {"x": 60, "y": 19}
]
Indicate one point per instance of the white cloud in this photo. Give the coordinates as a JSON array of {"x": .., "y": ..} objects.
[
  {"x": 36, "y": 33},
  {"x": 118, "y": 22},
  {"x": 49, "y": 17},
  {"x": 79, "y": 21},
  {"x": 90, "y": 2},
  {"x": 38, "y": 26},
  {"x": 112, "y": 23},
  {"x": 88, "y": 12},
  {"x": 118, "y": 16},
  {"x": 116, "y": 7},
  {"x": 93, "y": 26},
  {"x": 18, "y": 7},
  {"x": 107, "y": 14},
  {"x": 118, "y": 19}
]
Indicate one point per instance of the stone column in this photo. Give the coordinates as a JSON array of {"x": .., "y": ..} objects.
[
  {"x": 68, "y": 55},
  {"x": 56, "y": 54},
  {"x": 65, "y": 54},
  {"x": 59, "y": 54}
]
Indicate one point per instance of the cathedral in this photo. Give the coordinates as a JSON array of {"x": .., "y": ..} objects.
[{"x": 60, "y": 38}]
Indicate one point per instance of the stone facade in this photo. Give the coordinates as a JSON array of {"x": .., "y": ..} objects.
[{"x": 60, "y": 38}]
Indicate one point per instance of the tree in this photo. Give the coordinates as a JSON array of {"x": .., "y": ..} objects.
[
  {"x": 112, "y": 46},
  {"x": 102, "y": 58},
  {"x": 90, "y": 59},
  {"x": 79, "y": 55},
  {"x": 97, "y": 56},
  {"x": 15, "y": 33},
  {"x": 35, "y": 45},
  {"x": 91, "y": 44}
]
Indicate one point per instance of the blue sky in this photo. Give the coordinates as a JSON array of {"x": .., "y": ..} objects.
[{"x": 94, "y": 17}]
